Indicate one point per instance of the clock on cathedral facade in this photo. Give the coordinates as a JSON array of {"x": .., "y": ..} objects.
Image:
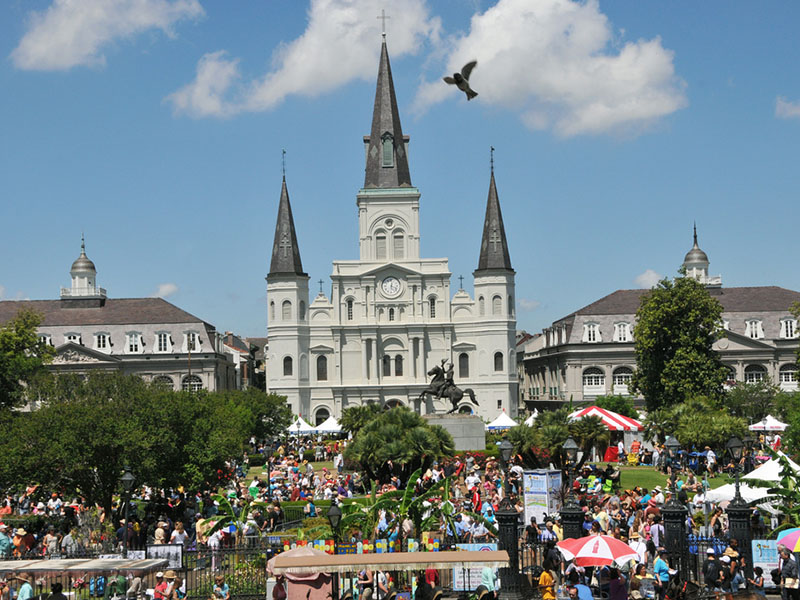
[{"x": 390, "y": 316}]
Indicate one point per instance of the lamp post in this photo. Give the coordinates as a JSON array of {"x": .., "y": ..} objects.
[
  {"x": 739, "y": 510},
  {"x": 674, "y": 514},
  {"x": 508, "y": 526},
  {"x": 268, "y": 457},
  {"x": 571, "y": 513},
  {"x": 334, "y": 517},
  {"x": 748, "y": 442},
  {"x": 127, "y": 485}
]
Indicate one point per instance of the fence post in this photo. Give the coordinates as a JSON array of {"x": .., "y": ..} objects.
[
  {"x": 572, "y": 518},
  {"x": 739, "y": 529},
  {"x": 675, "y": 540}
]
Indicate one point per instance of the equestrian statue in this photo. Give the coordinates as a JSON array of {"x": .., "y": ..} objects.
[{"x": 442, "y": 386}]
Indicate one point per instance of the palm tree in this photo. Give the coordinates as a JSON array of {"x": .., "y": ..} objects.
[
  {"x": 354, "y": 418},
  {"x": 590, "y": 433},
  {"x": 227, "y": 516}
]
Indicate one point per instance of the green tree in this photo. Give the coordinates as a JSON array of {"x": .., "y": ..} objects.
[
  {"x": 541, "y": 444},
  {"x": 658, "y": 425},
  {"x": 22, "y": 356},
  {"x": 752, "y": 401},
  {"x": 676, "y": 326},
  {"x": 715, "y": 428},
  {"x": 621, "y": 405},
  {"x": 354, "y": 418},
  {"x": 590, "y": 433},
  {"x": 398, "y": 441}
]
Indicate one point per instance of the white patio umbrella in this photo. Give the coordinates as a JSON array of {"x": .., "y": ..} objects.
[{"x": 768, "y": 423}]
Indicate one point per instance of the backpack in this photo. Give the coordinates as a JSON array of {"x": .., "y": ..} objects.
[{"x": 97, "y": 586}]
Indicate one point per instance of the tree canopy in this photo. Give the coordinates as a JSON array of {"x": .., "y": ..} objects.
[
  {"x": 398, "y": 441},
  {"x": 22, "y": 356},
  {"x": 621, "y": 405},
  {"x": 677, "y": 324},
  {"x": 87, "y": 430}
]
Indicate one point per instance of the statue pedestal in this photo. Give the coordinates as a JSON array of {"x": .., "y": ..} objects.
[{"x": 468, "y": 431}]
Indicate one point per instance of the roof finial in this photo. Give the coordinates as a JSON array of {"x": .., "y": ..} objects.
[
  {"x": 83, "y": 244},
  {"x": 695, "y": 232},
  {"x": 491, "y": 158},
  {"x": 383, "y": 18},
  {"x": 283, "y": 163}
]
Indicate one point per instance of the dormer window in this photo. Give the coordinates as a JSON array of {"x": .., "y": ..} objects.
[
  {"x": 622, "y": 332},
  {"x": 163, "y": 342},
  {"x": 102, "y": 341},
  {"x": 46, "y": 339},
  {"x": 788, "y": 328},
  {"x": 591, "y": 333},
  {"x": 387, "y": 144},
  {"x": 74, "y": 338},
  {"x": 754, "y": 329},
  {"x": 191, "y": 342}
]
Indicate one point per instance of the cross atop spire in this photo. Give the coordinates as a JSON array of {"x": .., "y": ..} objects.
[
  {"x": 283, "y": 163},
  {"x": 494, "y": 246},
  {"x": 383, "y": 18},
  {"x": 491, "y": 158},
  {"x": 387, "y": 161},
  {"x": 285, "y": 252}
]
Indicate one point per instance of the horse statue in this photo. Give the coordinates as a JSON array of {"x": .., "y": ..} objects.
[{"x": 442, "y": 386}]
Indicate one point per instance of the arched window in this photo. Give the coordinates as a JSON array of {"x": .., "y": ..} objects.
[
  {"x": 481, "y": 306},
  {"x": 754, "y": 373},
  {"x": 463, "y": 365},
  {"x": 398, "y": 366},
  {"x": 272, "y": 310},
  {"x": 432, "y": 306},
  {"x": 498, "y": 362},
  {"x": 163, "y": 382},
  {"x": 322, "y": 368},
  {"x": 286, "y": 310},
  {"x": 350, "y": 309},
  {"x": 398, "y": 245},
  {"x": 387, "y": 365},
  {"x": 388, "y": 150},
  {"x": 594, "y": 382},
  {"x": 788, "y": 377},
  {"x": 287, "y": 366},
  {"x": 321, "y": 415},
  {"x": 302, "y": 314},
  {"x": 380, "y": 246},
  {"x": 391, "y": 314},
  {"x": 192, "y": 383},
  {"x": 622, "y": 381},
  {"x": 497, "y": 305}
]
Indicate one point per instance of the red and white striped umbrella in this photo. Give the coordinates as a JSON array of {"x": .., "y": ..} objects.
[{"x": 596, "y": 551}]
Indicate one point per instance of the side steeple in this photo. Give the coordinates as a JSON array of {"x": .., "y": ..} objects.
[
  {"x": 494, "y": 246},
  {"x": 285, "y": 252},
  {"x": 387, "y": 157}
]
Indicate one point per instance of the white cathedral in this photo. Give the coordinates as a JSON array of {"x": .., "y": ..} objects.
[{"x": 391, "y": 317}]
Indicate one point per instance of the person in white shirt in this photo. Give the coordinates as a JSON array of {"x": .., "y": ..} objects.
[{"x": 638, "y": 546}]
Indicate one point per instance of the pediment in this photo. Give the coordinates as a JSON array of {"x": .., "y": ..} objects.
[
  {"x": 321, "y": 348},
  {"x": 391, "y": 267},
  {"x": 72, "y": 353},
  {"x": 737, "y": 341},
  {"x": 463, "y": 346}
]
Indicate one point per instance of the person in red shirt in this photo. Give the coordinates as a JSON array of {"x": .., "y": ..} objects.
[{"x": 160, "y": 591}]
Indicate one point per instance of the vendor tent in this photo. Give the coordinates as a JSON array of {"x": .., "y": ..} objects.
[
  {"x": 300, "y": 427},
  {"x": 529, "y": 421},
  {"x": 768, "y": 423},
  {"x": 727, "y": 491},
  {"x": 613, "y": 421},
  {"x": 330, "y": 425},
  {"x": 503, "y": 421},
  {"x": 771, "y": 470}
]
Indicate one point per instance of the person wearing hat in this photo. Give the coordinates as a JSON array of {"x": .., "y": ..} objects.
[
  {"x": 711, "y": 571},
  {"x": 160, "y": 588},
  {"x": 25, "y": 591},
  {"x": 637, "y": 545},
  {"x": 5, "y": 542},
  {"x": 661, "y": 573}
]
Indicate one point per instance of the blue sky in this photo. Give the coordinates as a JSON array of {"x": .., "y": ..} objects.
[{"x": 156, "y": 127}]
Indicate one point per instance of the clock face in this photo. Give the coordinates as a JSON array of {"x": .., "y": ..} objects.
[{"x": 390, "y": 286}]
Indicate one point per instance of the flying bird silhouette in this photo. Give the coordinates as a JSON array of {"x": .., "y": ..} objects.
[{"x": 461, "y": 80}]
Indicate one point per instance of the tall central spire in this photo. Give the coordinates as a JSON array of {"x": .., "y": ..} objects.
[
  {"x": 387, "y": 160},
  {"x": 285, "y": 252},
  {"x": 494, "y": 246}
]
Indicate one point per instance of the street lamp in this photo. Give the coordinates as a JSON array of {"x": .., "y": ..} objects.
[
  {"x": 127, "y": 486},
  {"x": 673, "y": 446},
  {"x": 571, "y": 512},
  {"x": 506, "y": 449},
  {"x": 738, "y": 509},
  {"x": 334, "y": 517},
  {"x": 508, "y": 529},
  {"x": 268, "y": 458},
  {"x": 748, "y": 442},
  {"x": 674, "y": 514}
]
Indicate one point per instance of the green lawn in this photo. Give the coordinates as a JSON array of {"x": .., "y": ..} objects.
[{"x": 649, "y": 477}]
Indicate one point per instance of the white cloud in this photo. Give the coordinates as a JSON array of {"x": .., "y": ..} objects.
[
  {"x": 338, "y": 46},
  {"x": 164, "y": 290},
  {"x": 648, "y": 279},
  {"x": 526, "y": 304},
  {"x": 74, "y": 33},
  {"x": 785, "y": 109},
  {"x": 559, "y": 65}
]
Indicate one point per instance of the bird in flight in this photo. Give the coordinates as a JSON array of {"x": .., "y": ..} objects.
[{"x": 461, "y": 80}]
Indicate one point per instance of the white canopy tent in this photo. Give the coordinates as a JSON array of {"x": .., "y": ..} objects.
[
  {"x": 768, "y": 423},
  {"x": 726, "y": 492},
  {"x": 300, "y": 427},
  {"x": 503, "y": 421},
  {"x": 329, "y": 425},
  {"x": 771, "y": 470},
  {"x": 529, "y": 421}
]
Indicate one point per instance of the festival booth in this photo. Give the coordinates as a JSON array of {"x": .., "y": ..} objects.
[
  {"x": 303, "y": 583},
  {"x": 768, "y": 423},
  {"x": 300, "y": 427},
  {"x": 628, "y": 427},
  {"x": 330, "y": 425},
  {"x": 503, "y": 421}
]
